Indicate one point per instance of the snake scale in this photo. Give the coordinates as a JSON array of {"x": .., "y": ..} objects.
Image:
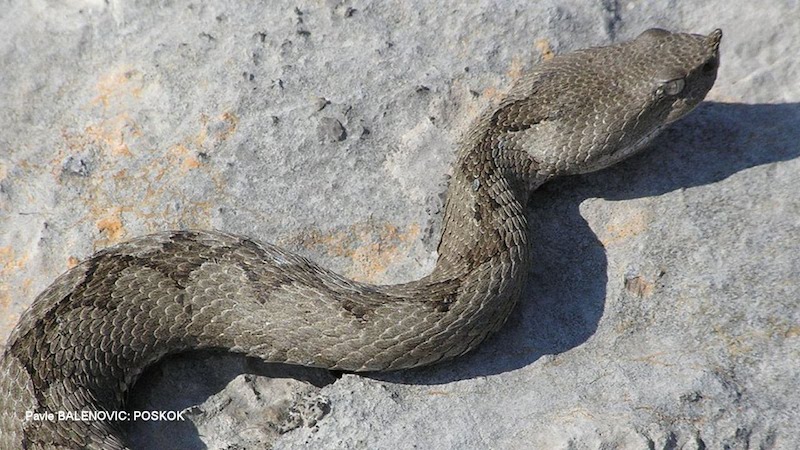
[{"x": 87, "y": 337}]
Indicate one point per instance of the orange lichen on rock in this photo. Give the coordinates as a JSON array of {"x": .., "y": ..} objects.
[
  {"x": 516, "y": 69},
  {"x": 5, "y": 299},
  {"x": 117, "y": 85},
  {"x": 188, "y": 160},
  {"x": 493, "y": 94},
  {"x": 9, "y": 260},
  {"x": 111, "y": 225},
  {"x": 639, "y": 286},
  {"x": 371, "y": 247},
  {"x": 117, "y": 91},
  {"x": 112, "y": 134},
  {"x": 625, "y": 226},
  {"x": 190, "y": 163},
  {"x": 231, "y": 122},
  {"x": 7, "y": 317},
  {"x": 543, "y": 47}
]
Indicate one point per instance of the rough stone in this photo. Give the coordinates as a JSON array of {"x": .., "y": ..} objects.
[
  {"x": 331, "y": 130},
  {"x": 662, "y": 307}
]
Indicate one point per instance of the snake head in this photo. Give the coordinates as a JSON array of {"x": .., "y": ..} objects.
[
  {"x": 586, "y": 110},
  {"x": 658, "y": 77},
  {"x": 684, "y": 67}
]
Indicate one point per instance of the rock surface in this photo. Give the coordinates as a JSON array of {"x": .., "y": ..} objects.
[{"x": 662, "y": 310}]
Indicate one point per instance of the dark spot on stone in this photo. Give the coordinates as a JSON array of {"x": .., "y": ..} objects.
[
  {"x": 77, "y": 165},
  {"x": 700, "y": 443},
  {"x": 639, "y": 286},
  {"x": 206, "y": 36},
  {"x": 303, "y": 32},
  {"x": 331, "y": 130},
  {"x": 423, "y": 89},
  {"x": 692, "y": 397},
  {"x": 321, "y": 103},
  {"x": 275, "y": 119},
  {"x": 350, "y": 11}
]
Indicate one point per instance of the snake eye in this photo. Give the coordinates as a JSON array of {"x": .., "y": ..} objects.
[{"x": 672, "y": 87}]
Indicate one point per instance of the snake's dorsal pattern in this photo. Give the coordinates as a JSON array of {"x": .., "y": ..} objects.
[{"x": 87, "y": 337}]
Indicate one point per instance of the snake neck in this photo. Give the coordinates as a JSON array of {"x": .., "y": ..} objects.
[{"x": 484, "y": 218}]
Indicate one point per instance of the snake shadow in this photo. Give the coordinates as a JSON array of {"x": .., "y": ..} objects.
[{"x": 565, "y": 294}]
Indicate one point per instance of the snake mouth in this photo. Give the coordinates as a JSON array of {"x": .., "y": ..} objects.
[{"x": 680, "y": 108}]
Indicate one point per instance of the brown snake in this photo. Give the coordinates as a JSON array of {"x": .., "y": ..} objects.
[{"x": 87, "y": 337}]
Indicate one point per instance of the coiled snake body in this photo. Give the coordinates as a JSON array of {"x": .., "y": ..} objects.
[{"x": 88, "y": 336}]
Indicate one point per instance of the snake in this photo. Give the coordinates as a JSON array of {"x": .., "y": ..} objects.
[{"x": 85, "y": 339}]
